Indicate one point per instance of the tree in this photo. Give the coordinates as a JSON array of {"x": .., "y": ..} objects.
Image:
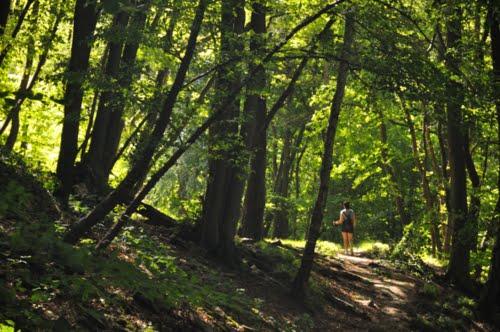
[
  {"x": 489, "y": 302},
  {"x": 109, "y": 123},
  {"x": 225, "y": 182},
  {"x": 302, "y": 277},
  {"x": 140, "y": 167},
  {"x": 256, "y": 139},
  {"x": 458, "y": 269},
  {"x": 84, "y": 23},
  {"x": 4, "y": 15}
]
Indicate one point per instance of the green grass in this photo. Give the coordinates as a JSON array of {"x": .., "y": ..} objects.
[
  {"x": 322, "y": 247},
  {"x": 433, "y": 261},
  {"x": 374, "y": 248}
]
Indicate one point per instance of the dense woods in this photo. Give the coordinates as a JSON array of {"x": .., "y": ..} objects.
[{"x": 235, "y": 124}]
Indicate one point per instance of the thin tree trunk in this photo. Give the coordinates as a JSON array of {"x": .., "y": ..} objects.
[
  {"x": 85, "y": 19},
  {"x": 489, "y": 302},
  {"x": 475, "y": 199},
  {"x": 256, "y": 143},
  {"x": 13, "y": 35},
  {"x": 440, "y": 178},
  {"x": 141, "y": 165},
  {"x": 443, "y": 147},
  {"x": 23, "y": 87},
  {"x": 4, "y": 15},
  {"x": 300, "y": 282},
  {"x": 458, "y": 268},
  {"x": 389, "y": 169},
  {"x": 27, "y": 88},
  {"x": 430, "y": 205}
]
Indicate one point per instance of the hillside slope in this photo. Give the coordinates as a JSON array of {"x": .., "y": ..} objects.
[{"x": 153, "y": 279}]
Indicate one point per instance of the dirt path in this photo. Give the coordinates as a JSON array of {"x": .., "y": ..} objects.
[{"x": 384, "y": 299}]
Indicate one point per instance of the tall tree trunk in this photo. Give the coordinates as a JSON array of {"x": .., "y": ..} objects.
[
  {"x": 433, "y": 214},
  {"x": 84, "y": 23},
  {"x": 439, "y": 176},
  {"x": 475, "y": 199},
  {"x": 141, "y": 165},
  {"x": 94, "y": 161},
  {"x": 430, "y": 203},
  {"x": 13, "y": 35},
  {"x": 489, "y": 302},
  {"x": 28, "y": 83},
  {"x": 458, "y": 268},
  {"x": 21, "y": 92},
  {"x": 109, "y": 120},
  {"x": 443, "y": 148},
  {"x": 280, "y": 215},
  {"x": 389, "y": 170},
  {"x": 4, "y": 15},
  {"x": 255, "y": 141},
  {"x": 222, "y": 202},
  {"x": 302, "y": 277}
]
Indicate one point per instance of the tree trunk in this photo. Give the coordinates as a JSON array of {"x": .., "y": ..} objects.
[
  {"x": 389, "y": 170},
  {"x": 475, "y": 199},
  {"x": 458, "y": 268},
  {"x": 141, "y": 166},
  {"x": 109, "y": 122},
  {"x": 443, "y": 147},
  {"x": 430, "y": 203},
  {"x": 440, "y": 176},
  {"x": 280, "y": 215},
  {"x": 256, "y": 142},
  {"x": 489, "y": 302},
  {"x": 84, "y": 23},
  {"x": 95, "y": 166},
  {"x": 23, "y": 87},
  {"x": 4, "y": 15},
  {"x": 300, "y": 282},
  {"x": 13, "y": 35},
  {"x": 222, "y": 202},
  {"x": 28, "y": 82}
]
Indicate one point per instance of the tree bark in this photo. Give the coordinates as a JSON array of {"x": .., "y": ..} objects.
[
  {"x": 141, "y": 166},
  {"x": 256, "y": 143},
  {"x": 28, "y": 82},
  {"x": 302, "y": 277},
  {"x": 84, "y": 23},
  {"x": 475, "y": 199},
  {"x": 109, "y": 122},
  {"x": 95, "y": 163},
  {"x": 22, "y": 91},
  {"x": 225, "y": 183},
  {"x": 430, "y": 202},
  {"x": 4, "y": 15},
  {"x": 458, "y": 268},
  {"x": 489, "y": 302},
  {"x": 13, "y": 35},
  {"x": 389, "y": 170}
]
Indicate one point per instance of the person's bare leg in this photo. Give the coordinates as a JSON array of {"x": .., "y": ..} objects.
[
  {"x": 346, "y": 241},
  {"x": 349, "y": 241}
]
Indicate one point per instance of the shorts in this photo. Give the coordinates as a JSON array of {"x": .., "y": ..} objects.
[{"x": 347, "y": 228}]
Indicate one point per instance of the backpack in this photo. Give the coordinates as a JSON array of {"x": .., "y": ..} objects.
[{"x": 347, "y": 216}]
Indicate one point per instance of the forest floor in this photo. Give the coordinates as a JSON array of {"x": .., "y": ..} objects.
[{"x": 153, "y": 279}]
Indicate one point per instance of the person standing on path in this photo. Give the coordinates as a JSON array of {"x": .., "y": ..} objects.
[{"x": 348, "y": 221}]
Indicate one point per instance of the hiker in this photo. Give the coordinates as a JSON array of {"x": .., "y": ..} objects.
[{"x": 348, "y": 221}]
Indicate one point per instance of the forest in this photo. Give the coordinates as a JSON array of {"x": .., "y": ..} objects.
[{"x": 179, "y": 165}]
